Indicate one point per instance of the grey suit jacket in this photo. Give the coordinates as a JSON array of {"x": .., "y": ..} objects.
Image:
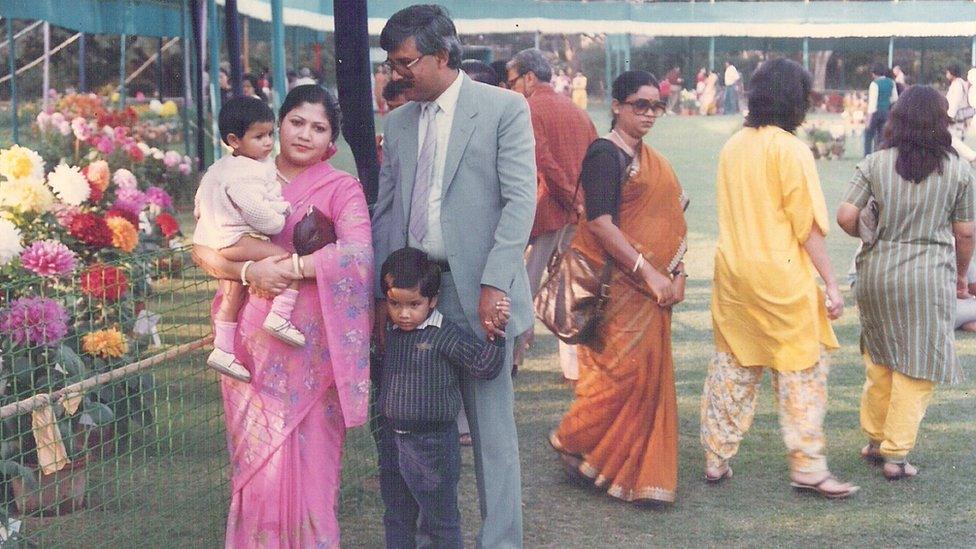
[{"x": 488, "y": 195}]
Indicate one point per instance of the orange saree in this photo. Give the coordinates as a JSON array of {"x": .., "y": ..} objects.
[{"x": 623, "y": 425}]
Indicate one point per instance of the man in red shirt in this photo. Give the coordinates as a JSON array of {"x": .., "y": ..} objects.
[{"x": 563, "y": 132}]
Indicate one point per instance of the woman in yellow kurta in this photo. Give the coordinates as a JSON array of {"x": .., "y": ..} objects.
[
  {"x": 767, "y": 308},
  {"x": 580, "y": 97}
]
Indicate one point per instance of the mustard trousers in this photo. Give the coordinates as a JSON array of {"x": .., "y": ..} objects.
[{"x": 892, "y": 408}]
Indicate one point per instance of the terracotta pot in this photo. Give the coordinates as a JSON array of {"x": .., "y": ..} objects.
[{"x": 59, "y": 493}]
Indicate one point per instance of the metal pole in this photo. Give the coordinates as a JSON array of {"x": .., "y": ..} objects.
[
  {"x": 972, "y": 53},
  {"x": 187, "y": 79},
  {"x": 538, "y": 35},
  {"x": 159, "y": 69},
  {"x": 213, "y": 39},
  {"x": 627, "y": 66},
  {"x": 46, "y": 79},
  {"x": 233, "y": 31},
  {"x": 608, "y": 65},
  {"x": 353, "y": 76},
  {"x": 82, "y": 73},
  {"x": 11, "y": 45},
  {"x": 278, "y": 63},
  {"x": 711, "y": 53},
  {"x": 198, "y": 20},
  {"x": 806, "y": 53},
  {"x": 122, "y": 91},
  {"x": 891, "y": 51}
]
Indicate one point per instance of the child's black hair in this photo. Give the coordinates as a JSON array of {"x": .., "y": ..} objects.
[
  {"x": 237, "y": 115},
  {"x": 411, "y": 268}
]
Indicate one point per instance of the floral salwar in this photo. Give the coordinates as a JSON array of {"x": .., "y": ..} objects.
[{"x": 729, "y": 405}]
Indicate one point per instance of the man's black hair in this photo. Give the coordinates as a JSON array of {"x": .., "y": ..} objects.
[
  {"x": 411, "y": 268},
  {"x": 237, "y": 115}
]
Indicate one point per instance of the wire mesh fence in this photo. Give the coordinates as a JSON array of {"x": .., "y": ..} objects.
[{"x": 112, "y": 428}]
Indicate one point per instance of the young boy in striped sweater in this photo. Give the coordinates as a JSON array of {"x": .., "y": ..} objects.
[{"x": 420, "y": 396}]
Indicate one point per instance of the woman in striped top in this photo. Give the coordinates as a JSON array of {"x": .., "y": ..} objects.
[{"x": 908, "y": 280}]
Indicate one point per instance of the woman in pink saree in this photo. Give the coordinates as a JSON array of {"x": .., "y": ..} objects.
[{"x": 285, "y": 429}]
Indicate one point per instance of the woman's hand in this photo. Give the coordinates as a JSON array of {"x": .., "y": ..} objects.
[
  {"x": 659, "y": 285},
  {"x": 272, "y": 275},
  {"x": 962, "y": 287},
  {"x": 835, "y": 302},
  {"x": 678, "y": 284}
]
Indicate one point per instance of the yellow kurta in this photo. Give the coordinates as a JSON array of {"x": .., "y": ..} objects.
[{"x": 767, "y": 307}]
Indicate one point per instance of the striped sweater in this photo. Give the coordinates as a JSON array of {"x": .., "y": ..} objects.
[{"x": 421, "y": 369}]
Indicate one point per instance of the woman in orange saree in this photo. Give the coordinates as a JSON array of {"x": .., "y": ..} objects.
[{"x": 622, "y": 430}]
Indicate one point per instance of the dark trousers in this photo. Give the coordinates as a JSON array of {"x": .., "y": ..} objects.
[
  {"x": 873, "y": 131},
  {"x": 419, "y": 473}
]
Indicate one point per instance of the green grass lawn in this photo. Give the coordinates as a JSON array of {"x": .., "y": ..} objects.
[{"x": 756, "y": 508}]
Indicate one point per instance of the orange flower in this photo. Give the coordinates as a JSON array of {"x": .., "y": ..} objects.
[
  {"x": 105, "y": 343},
  {"x": 124, "y": 235},
  {"x": 98, "y": 174}
]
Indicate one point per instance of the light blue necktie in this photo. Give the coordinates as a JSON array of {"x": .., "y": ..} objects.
[{"x": 425, "y": 171}]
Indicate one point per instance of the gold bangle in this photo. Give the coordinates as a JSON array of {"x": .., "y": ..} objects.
[
  {"x": 638, "y": 263},
  {"x": 295, "y": 265}
]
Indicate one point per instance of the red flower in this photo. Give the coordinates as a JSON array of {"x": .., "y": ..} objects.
[
  {"x": 96, "y": 193},
  {"x": 135, "y": 153},
  {"x": 168, "y": 225},
  {"x": 104, "y": 282},
  {"x": 124, "y": 214},
  {"x": 91, "y": 229}
]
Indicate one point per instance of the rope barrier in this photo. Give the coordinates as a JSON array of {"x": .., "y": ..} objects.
[{"x": 40, "y": 59}]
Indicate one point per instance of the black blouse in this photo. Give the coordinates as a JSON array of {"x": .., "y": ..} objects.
[{"x": 600, "y": 177}]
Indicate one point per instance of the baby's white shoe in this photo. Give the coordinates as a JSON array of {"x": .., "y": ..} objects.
[
  {"x": 228, "y": 365},
  {"x": 284, "y": 330}
]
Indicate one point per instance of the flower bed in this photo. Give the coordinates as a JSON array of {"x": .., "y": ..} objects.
[
  {"x": 80, "y": 246},
  {"x": 825, "y": 141}
]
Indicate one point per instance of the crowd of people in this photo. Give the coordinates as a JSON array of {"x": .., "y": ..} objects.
[{"x": 480, "y": 188}]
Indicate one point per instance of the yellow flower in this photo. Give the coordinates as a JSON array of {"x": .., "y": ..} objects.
[
  {"x": 124, "y": 235},
  {"x": 19, "y": 162},
  {"x": 105, "y": 343},
  {"x": 26, "y": 196},
  {"x": 168, "y": 109}
]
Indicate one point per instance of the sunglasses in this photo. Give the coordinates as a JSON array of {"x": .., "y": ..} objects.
[
  {"x": 642, "y": 106},
  {"x": 511, "y": 83}
]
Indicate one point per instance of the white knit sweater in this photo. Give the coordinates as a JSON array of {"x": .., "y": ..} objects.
[{"x": 238, "y": 196}]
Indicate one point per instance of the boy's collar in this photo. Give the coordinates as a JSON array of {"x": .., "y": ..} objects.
[{"x": 435, "y": 319}]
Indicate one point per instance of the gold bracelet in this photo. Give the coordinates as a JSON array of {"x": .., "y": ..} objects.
[
  {"x": 638, "y": 263},
  {"x": 295, "y": 264},
  {"x": 247, "y": 264}
]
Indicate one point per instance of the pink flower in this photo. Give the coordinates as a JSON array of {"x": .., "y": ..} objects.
[
  {"x": 81, "y": 129},
  {"x": 124, "y": 179},
  {"x": 34, "y": 321},
  {"x": 185, "y": 169},
  {"x": 48, "y": 258},
  {"x": 120, "y": 132},
  {"x": 64, "y": 128},
  {"x": 43, "y": 121},
  {"x": 105, "y": 145},
  {"x": 64, "y": 213},
  {"x": 159, "y": 197},
  {"x": 172, "y": 159}
]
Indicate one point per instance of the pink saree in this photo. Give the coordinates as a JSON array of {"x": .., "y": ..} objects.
[{"x": 286, "y": 428}]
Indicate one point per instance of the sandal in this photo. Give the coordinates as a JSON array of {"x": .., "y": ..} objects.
[
  {"x": 719, "y": 478},
  {"x": 818, "y": 488},
  {"x": 872, "y": 454},
  {"x": 902, "y": 471}
]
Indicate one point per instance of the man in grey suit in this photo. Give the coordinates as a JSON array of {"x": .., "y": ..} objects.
[{"x": 458, "y": 181}]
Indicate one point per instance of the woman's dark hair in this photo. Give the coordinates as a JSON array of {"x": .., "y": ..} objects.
[
  {"x": 955, "y": 70},
  {"x": 411, "y": 268},
  {"x": 253, "y": 80},
  {"x": 779, "y": 95},
  {"x": 431, "y": 28},
  {"x": 628, "y": 83},
  {"x": 879, "y": 69},
  {"x": 918, "y": 127},
  {"x": 479, "y": 71},
  {"x": 317, "y": 95}
]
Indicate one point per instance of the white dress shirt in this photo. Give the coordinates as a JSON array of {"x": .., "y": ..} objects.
[
  {"x": 956, "y": 96},
  {"x": 433, "y": 242},
  {"x": 731, "y": 76}
]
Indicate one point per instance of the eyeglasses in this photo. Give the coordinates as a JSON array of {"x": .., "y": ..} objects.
[
  {"x": 641, "y": 106},
  {"x": 511, "y": 82},
  {"x": 400, "y": 65}
]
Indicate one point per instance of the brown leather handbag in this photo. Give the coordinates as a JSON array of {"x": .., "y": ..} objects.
[
  {"x": 574, "y": 293},
  {"x": 313, "y": 232}
]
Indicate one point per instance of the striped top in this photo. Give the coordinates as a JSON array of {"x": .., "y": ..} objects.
[
  {"x": 420, "y": 378},
  {"x": 906, "y": 283}
]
